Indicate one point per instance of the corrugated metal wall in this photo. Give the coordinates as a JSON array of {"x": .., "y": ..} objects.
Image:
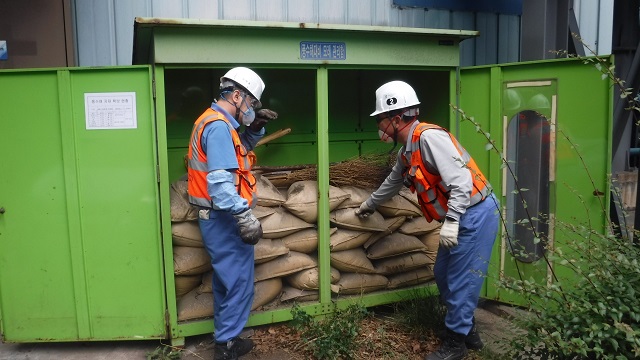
[{"x": 104, "y": 28}]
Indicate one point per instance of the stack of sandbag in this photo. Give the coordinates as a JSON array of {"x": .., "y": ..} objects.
[{"x": 392, "y": 248}]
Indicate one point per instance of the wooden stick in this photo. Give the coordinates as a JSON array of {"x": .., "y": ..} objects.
[{"x": 275, "y": 135}]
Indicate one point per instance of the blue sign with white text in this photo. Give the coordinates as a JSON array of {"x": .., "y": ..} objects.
[{"x": 317, "y": 50}]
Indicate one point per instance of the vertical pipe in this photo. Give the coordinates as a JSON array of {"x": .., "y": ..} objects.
[{"x": 322, "y": 100}]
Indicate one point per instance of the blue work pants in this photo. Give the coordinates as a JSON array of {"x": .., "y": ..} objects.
[
  {"x": 233, "y": 266},
  {"x": 460, "y": 271}
]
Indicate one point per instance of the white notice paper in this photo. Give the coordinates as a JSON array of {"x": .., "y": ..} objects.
[{"x": 110, "y": 110}]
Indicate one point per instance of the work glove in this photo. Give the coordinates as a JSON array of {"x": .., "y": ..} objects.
[
  {"x": 366, "y": 208},
  {"x": 249, "y": 226},
  {"x": 449, "y": 233},
  {"x": 263, "y": 116}
]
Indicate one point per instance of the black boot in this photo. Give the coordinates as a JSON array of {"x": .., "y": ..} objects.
[
  {"x": 232, "y": 349},
  {"x": 452, "y": 348},
  {"x": 473, "y": 341}
]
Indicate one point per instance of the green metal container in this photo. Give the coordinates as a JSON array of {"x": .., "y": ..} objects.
[{"x": 85, "y": 227}]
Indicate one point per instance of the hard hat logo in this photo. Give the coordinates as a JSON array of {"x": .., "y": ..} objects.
[{"x": 395, "y": 95}]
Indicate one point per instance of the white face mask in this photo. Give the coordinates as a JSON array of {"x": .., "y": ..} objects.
[
  {"x": 384, "y": 137},
  {"x": 248, "y": 117}
]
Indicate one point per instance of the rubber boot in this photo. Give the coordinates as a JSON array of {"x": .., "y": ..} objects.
[
  {"x": 473, "y": 341},
  {"x": 232, "y": 349},
  {"x": 452, "y": 348}
]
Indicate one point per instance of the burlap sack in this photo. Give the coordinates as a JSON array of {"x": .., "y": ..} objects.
[
  {"x": 186, "y": 233},
  {"x": 195, "y": 306},
  {"x": 268, "y": 194},
  {"x": 268, "y": 249},
  {"x": 186, "y": 283},
  {"x": 344, "y": 239},
  {"x": 290, "y": 293},
  {"x": 304, "y": 241},
  {"x": 401, "y": 263},
  {"x": 419, "y": 226},
  {"x": 398, "y": 206},
  {"x": 351, "y": 283},
  {"x": 190, "y": 260},
  {"x": 265, "y": 291},
  {"x": 206, "y": 285},
  {"x": 395, "y": 244},
  {"x": 181, "y": 209},
  {"x": 262, "y": 211},
  {"x": 347, "y": 219},
  {"x": 412, "y": 197},
  {"x": 392, "y": 225},
  {"x": 431, "y": 241},
  {"x": 302, "y": 199},
  {"x": 357, "y": 196},
  {"x": 284, "y": 265},
  {"x": 282, "y": 223},
  {"x": 412, "y": 277},
  {"x": 354, "y": 260},
  {"x": 309, "y": 279}
]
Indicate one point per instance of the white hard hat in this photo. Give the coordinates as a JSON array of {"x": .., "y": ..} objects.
[
  {"x": 394, "y": 95},
  {"x": 246, "y": 78}
]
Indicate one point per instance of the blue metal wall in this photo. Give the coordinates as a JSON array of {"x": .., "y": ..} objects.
[{"x": 104, "y": 28}]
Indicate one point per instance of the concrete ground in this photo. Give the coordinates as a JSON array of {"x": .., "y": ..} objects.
[{"x": 491, "y": 319}]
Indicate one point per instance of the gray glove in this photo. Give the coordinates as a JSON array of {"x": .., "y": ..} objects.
[
  {"x": 263, "y": 116},
  {"x": 449, "y": 234},
  {"x": 249, "y": 226},
  {"x": 366, "y": 208}
]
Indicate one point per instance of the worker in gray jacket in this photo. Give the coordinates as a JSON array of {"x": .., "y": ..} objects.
[{"x": 451, "y": 189}]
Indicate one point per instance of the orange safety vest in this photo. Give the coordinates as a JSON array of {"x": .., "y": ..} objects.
[
  {"x": 432, "y": 191},
  {"x": 197, "y": 169}
]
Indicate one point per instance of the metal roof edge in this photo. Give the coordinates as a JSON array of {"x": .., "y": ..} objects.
[{"x": 157, "y": 22}]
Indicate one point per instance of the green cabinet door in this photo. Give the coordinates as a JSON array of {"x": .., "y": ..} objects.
[
  {"x": 80, "y": 240},
  {"x": 551, "y": 122}
]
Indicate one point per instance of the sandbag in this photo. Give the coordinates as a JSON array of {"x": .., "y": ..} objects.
[
  {"x": 309, "y": 279},
  {"x": 304, "y": 241},
  {"x": 195, "y": 306},
  {"x": 395, "y": 244},
  {"x": 402, "y": 263},
  {"x": 412, "y": 277},
  {"x": 431, "y": 240},
  {"x": 186, "y": 233},
  {"x": 268, "y": 194},
  {"x": 347, "y": 219},
  {"x": 344, "y": 239},
  {"x": 282, "y": 223},
  {"x": 354, "y": 260},
  {"x": 268, "y": 249},
  {"x": 412, "y": 197},
  {"x": 392, "y": 225},
  {"x": 290, "y": 293},
  {"x": 186, "y": 283},
  {"x": 357, "y": 196},
  {"x": 351, "y": 283},
  {"x": 206, "y": 285},
  {"x": 302, "y": 199},
  {"x": 419, "y": 226},
  {"x": 284, "y": 265},
  {"x": 265, "y": 291},
  {"x": 398, "y": 206},
  {"x": 190, "y": 260},
  {"x": 262, "y": 211},
  {"x": 181, "y": 209}
]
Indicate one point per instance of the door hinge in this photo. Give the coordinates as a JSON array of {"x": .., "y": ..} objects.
[
  {"x": 153, "y": 88},
  {"x": 158, "y": 173}
]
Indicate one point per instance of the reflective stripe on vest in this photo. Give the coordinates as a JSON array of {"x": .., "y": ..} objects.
[
  {"x": 197, "y": 169},
  {"x": 432, "y": 192}
]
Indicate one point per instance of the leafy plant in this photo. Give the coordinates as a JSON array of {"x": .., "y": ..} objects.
[
  {"x": 333, "y": 336},
  {"x": 165, "y": 352}
]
